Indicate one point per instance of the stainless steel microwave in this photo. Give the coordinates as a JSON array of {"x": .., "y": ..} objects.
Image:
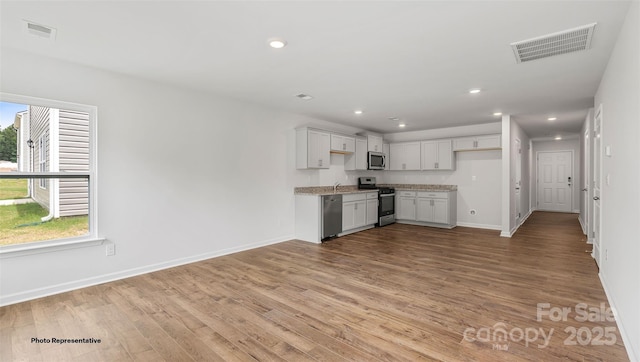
[{"x": 375, "y": 161}]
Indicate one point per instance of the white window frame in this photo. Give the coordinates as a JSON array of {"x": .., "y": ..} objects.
[
  {"x": 92, "y": 238},
  {"x": 42, "y": 161}
]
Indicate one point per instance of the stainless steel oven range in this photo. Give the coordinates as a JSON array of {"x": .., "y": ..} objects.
[
  {"x": 386, "y": 200},
  {"x": 386, "y": 206}
]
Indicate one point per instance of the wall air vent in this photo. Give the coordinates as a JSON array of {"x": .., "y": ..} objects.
[
  {"x": 567, "y": 41},
  {"x": 39, "y": 30}
]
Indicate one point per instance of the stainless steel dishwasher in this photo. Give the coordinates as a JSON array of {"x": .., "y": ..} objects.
[{"x": 331, "y": 216}]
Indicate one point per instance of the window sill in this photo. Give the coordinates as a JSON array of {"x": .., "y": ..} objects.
[{"x": 12, "y": 251}]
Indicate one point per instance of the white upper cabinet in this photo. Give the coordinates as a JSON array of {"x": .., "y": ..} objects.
[
  {"x": 312, "y": 148},
  {"x": 475, "y": 143},
  {"x": 358, "y": 159},
  {"x": 437, "y": 155},
  {"x": 342, "y": 144},
  {"x": 374, "y": 143},
  {"x": 404, "y": 156}
]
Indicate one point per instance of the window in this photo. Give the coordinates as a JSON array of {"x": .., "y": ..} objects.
[{"x": 53, "y": 183}]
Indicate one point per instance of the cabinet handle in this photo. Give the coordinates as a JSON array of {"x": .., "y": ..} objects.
[
  {"x": 355, "y": 206},
  {"x": 437, "y": 165},
  {"x": 344, "y": 146},
  {"x": 404, "y": 166},
  {"x": 320, "y": 162}
]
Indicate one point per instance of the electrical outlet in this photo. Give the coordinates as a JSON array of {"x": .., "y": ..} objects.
[{"x": 111, "y": 249}]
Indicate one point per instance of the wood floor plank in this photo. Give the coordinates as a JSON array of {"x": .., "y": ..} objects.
[{"x": 398, "y": 293}]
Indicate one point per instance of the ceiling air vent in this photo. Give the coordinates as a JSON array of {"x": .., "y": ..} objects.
[
  {"x": 303, "y": 96},
  {"x": 39, "y": 30},
  {"x": 567, "y": 41}
]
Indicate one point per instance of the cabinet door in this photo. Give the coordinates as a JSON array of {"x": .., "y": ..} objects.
[
  {"x": 412, "y": 156},
  {"x": 440, "y": 211},
  {"x": 489, "y": 142},
  {"x": 374, "y": 143},
  {"x": 464, "y": 144},
  {"x": 350, "y": 144},
  {"x": 361, "y": 154},
  {"x": 319, "y": 149},
  {"x": 360, "y": 213},
  {"x": 337, "y": 143},
  {"x": 429, "y": 155},
  {"x": 395, "y": 156},
  {"x": 348, "y": 215},
  {"x": 424, "y": 210},
  {"x": 406, "y": 208},
  {"x": 445, "y": 155},
  {"x": 372, "y": 211}
]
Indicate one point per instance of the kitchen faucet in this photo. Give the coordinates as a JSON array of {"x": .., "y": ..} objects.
[{"x": 335, "y": 187}]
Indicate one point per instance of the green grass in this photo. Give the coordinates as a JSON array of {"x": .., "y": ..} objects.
[
  {"x": 15, "y": 225},
  {"x": 13, "y": 189}
]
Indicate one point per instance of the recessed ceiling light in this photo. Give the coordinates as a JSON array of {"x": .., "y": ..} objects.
[
  {"x": 357, "y": 111},
  {"x": 558, "y": 138},
  {"x": 551, "y": 119},
  {"x": 402, "y": 125},
  {"x": 303, "y": 96},
  {"x": 277, "y": 43},
  {"x": 474, "y": 91},
  {"x": 497, "y": 114}
]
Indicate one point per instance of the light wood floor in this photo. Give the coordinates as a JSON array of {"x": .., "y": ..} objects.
[{"x": 398, "y": 293}]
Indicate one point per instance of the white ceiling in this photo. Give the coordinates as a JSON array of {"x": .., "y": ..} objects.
[{"x": 412, "y": 60}]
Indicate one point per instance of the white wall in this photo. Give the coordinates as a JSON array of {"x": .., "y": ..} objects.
[
  {"x": 182, "y": 175},
  {"x": 482, "y": 194},
  {"x": 619, "y": 95},
  {"x": 572, "y": 144}
]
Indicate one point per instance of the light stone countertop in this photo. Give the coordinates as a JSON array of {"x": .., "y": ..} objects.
[{"x": 353, "y": 189}]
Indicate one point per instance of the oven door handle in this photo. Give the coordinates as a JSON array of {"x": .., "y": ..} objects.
[{"x": 387, "y": 195}]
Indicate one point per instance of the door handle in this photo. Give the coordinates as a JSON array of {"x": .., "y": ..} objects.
[
  {"x": 596, "y": 198},
  {"x": 584, "y": 189},
  {"x": 517, "y": 188}
]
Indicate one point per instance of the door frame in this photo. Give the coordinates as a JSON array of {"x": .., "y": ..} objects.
[
  {"x": 596, "y": 225},
  {"x": 518, "y": 180},
  {"x": 573, "y": 178}
]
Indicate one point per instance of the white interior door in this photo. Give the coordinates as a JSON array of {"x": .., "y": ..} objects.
[
  {"x": 518, "y": 182},
  {"x": 597, "y": 183},
  {"x": 555, "y": 177}
]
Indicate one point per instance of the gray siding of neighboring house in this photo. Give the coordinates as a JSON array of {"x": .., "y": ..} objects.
[
  {"x": 39, "y": 117},
  {"x": 74, "y": 156}
]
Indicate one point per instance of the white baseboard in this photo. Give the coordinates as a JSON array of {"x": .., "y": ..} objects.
[
  {"x": 510, "y": 233},
  {"x": 87, "y": 282},
  {"x": 584, "y": 229},
  {"x": 629, "y": 346},
  {"x": 479, "y": 226}
]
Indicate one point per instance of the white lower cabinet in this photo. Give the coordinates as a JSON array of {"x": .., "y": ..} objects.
[
  {"x": 358, "y": 210},
  {"x": 431, "y": 208},
  {"x": 406, "y": 205},
  {"x": 372, "y": 210}
]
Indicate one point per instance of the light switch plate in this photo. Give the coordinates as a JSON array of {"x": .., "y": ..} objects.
[{"x": 607, "y": 151}]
